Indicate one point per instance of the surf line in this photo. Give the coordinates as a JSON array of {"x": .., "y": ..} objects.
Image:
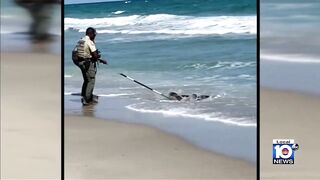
[{"x": 144, "y": 85}]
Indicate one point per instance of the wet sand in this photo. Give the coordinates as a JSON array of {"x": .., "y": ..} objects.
[
  {"x": 288, "y": 115},
  {"x": 101, "y": 149},
  {"x": 30, "y": 116}
]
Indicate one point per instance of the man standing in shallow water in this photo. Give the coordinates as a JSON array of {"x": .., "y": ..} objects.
[{"x": 85, "y": 55}]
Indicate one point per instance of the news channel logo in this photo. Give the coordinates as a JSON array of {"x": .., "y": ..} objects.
[{"x": 283, "y": 151}]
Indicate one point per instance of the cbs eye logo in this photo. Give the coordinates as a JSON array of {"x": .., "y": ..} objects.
[{"x": 283, "y": 151}]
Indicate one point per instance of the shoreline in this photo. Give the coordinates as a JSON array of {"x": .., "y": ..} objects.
[
  {"x": 98, "y": 148},
  {"x": 197, "y": 132},
  {"x": 290, "y": 91},
  {"x": 289, "y": 115},
  {"x": 20, "y": 43}
]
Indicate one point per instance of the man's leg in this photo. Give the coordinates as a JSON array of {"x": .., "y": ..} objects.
[
  {"x": 84, "y": 66},
  {"x": 85, "y": 79},
  {"x": 91, "y": 73}
]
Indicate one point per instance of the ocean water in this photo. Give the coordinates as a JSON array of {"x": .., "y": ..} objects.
[
  {"x": 201, "y": 47},
  {"x": 290, "y": 58}
]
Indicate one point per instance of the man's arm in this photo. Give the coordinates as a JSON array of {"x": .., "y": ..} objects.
[
  {"x": 103, "y": 61},
  {"x": 94, "y": 51},
  {"x": 95, "y": 55}
]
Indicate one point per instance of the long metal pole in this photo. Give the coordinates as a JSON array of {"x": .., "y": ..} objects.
[{"x": 144, "y": 86}]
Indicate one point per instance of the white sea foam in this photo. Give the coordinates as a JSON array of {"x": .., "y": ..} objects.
[
  {"x": 293, "y": 58},
  {"x": 246, "y": 76},
  {"x": 128, "y": 88},
  {"x": 220, "y": 64},
  {"x": 118, "y": 12},
  {"x": 183, "y": 112},
  {"x": 67, "y": 76},
  {"x": 102, "y": 95},
  {"x": 7, "y": 32},
  {"x": 289, "y": 6},
  {"x": 114, "y": 95},
  {"x": 3, "y": 16},
  {"x": 167, "y": 24}
]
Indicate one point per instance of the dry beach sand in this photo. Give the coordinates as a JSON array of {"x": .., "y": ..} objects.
[
  {"x": 101, "y": 149},
  {"x": 288, "y": 115},
  {"x": 30, "y": 116}
]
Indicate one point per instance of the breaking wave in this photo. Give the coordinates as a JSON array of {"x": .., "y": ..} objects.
[
  {"x": 189, "y": 113},
  {"x": 166, "y": 24}
]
